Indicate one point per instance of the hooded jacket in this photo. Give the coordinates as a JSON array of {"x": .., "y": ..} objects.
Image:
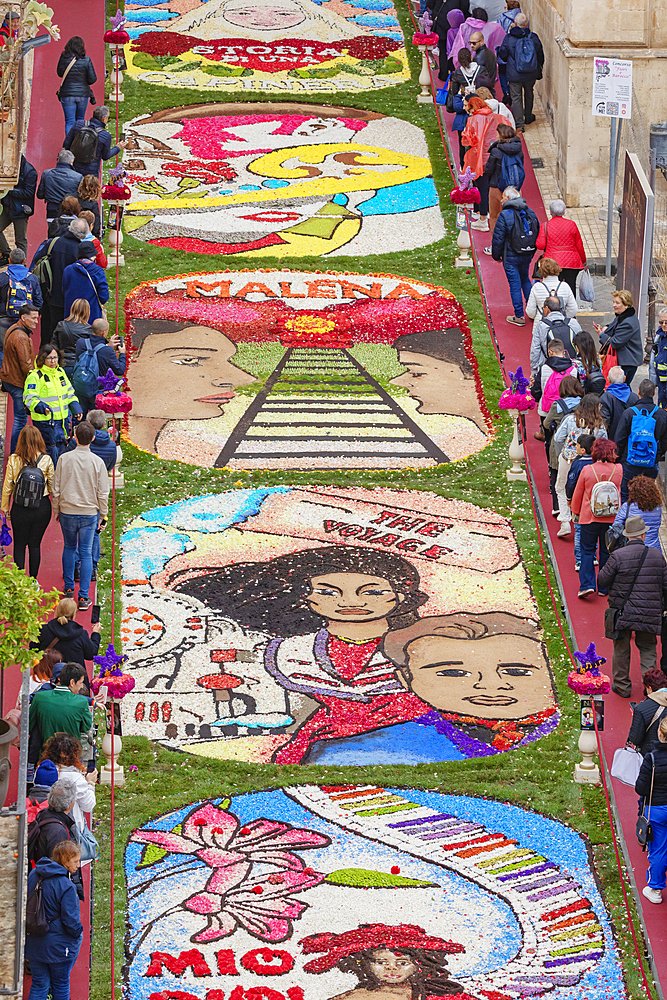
[
  {"x": 80, "y": 77},
  {"x": 644, "y": 729},
  {"x": 61, "y": 903},
  {"x": 500, "y": 245},
  {"x": 65, "y": 337},
  {"x": 642, "y": 604},
  {"x": 499, "y": 149},
  {"x": 625, "y": 336},
  {"x": 63, "y": 252},
  {"x": 555, "y": 363},
  {"x": 625, "y": 426},
  {"x": 84, "y": 279},
  {"x": 49, "y": 395},
  {"x": 480, "y": 132},
  {"x": 506, "y": 54},
  {"x": 19, "y": 203},
  {"x": 19, "y": 359},
  {"x": 614, "y": 401},
  {"x": 643, "y": 783},
  {"x": 104, "y": 149},
  {"x": 19, "y": 272},
  {"x": 57, "y": 183},
  {"x": 74, "y": 644}
]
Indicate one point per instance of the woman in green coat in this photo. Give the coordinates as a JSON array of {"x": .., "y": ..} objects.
[{"x": 50, "y": 398}]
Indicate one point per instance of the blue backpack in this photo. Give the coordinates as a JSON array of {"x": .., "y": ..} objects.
[
  {"x": 512, "y": 173},
  {"x": 86, "y": 371},
  {"x": 525, "y": 55},
  {"x": 642, "y": 445}
]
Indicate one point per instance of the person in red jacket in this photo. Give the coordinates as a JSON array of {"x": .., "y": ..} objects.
[{"x": 561, "y": 241}]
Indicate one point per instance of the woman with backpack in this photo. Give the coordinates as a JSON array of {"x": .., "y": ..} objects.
[
  {"x": 596, "y": 501},
  {"x": 550, "y": 283},
  {"x": 586, "y": 419},
  {"x": 49, "y": 396},
  {"x": 77, "y": 74},
  {"x": 52, "y": 954},
  {"x": 504, "y": 168},
  {"x": 29, "y": 480},
  {"x": 68, "y": 332},
  {"x": 588, "y": 363}
]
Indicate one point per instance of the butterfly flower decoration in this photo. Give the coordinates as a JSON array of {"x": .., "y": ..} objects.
[{"x": 234, "y": 894}]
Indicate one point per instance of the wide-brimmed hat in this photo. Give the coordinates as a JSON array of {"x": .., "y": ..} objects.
[{"x": 634, "y": 527}]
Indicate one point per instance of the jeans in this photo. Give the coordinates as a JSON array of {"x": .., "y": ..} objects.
[
  {"x": 20, "y": 232},
  {"x": 96, "y": 549},
  {"x": 630, "y": 471},
  {"x": 591, "y": 534},
  {"x": 20, "y": 412},
  {"x": 657, "y": 849},
  {"x": 646, "y": 643},
  {"x": 50, "y": 977},
  {"x": 78, "y": 530},
  {"x": 517, "y": 270},
  {"x": 521, "y": 96},
  {"x": 73, "y": 109},
  {"x": 630, "y": 372}
]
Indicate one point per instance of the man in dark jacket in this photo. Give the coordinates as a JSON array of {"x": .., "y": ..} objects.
[
  {"x": 84, "y": 279},
  {"x": 488, "y": 69},
  {"x": 636, "y": 578},
  {"x": 54, "y": 822},
  {"x": 56, "y": 183},
  {"x": 624, "y": 436},
  {"x": 104, "y": 150},
  {"x": 18, "y": 287},
  {"x": 18, "y": 361},
  {"x": 62, "y": 251},
  {"x": 107, "y": 357},
  {"x": 615, "y": 400},
  {"x": 17, "y": 207},
  {"x": 522, "y": 51},
  {"x": 516, "y": 265}
]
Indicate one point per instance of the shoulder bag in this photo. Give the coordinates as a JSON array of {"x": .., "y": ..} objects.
[
  {"x": 68, "y": 68},
  {"x": 626, "y": 765},
  {"x": 90, "y": 849},
  {"x": 643, "y": 829},
  {"x": 611, "y": 614}
]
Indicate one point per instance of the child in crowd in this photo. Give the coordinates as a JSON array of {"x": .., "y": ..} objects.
[{"x": 583, "y": 449}]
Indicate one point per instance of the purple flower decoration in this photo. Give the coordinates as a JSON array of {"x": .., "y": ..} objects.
[
  {"x": 111, "y": 676},
  {"x": 466, "y": 179},
  {"x": 5, "y": 534},
  {"x": 590, "y": 660},
  {"x": 118, "y": 21},
  {"x": 117, "y": 173},
  {"x": 517, "y": 397},
  {"x": 110, "y": 662},
  {"x": 111, "y": 382},
  {"x": 518, "y": 381}
]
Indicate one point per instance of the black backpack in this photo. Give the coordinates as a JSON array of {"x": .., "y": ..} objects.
[
  {"x": 36, "y": 923},
  {"x": 30, "y": 485},
  {"x": 42, "y": 820},
  {"x": 524, "y": 233},
  {"x": 561, "y": 330},
  {"x": 84, "y": 144}
]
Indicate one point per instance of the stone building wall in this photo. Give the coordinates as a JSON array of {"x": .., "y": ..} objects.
[
  {"x": 9, "y": 834},
  {"x": 573, "y": 33}
]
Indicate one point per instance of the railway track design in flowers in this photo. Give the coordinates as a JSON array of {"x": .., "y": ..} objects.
[{"x": 323, "y": 406}]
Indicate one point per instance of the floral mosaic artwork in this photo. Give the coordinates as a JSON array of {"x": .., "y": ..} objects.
[
  {"x": 272, "y": 46},
  {"x": 268, "y": 896},
  {"x": 279, "y": 180},
  {"x": 292, "y": 369},
  {"x": 303, "y": 625}
]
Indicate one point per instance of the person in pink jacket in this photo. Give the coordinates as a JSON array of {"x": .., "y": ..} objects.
[
  {"x": 478, "y": 21},
  {"x": 561, "y": 241}
]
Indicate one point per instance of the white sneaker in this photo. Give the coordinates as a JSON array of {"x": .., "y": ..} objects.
[
  {"x": 482, "y": 225},
  {"x": 565, "y": 529},
  {"x": 654, "y": 895}
]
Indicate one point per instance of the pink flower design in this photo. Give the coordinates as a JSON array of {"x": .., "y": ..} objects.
[{"x": 231, "y": 896}]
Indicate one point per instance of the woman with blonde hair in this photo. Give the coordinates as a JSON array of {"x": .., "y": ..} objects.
[
  {"x": 623, "y": 335},
  {"x": 71, "y": 639},
  {"x": 90, "y": 190},
  {"x": 550, "y": 283},
  {"x": 29, "y": 480},
  {"x": 64, "y": 751},
  {"x": 69, "y": 330}
]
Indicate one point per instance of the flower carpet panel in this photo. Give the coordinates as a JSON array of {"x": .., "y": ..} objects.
[
  {"x": 268, "y": 896},
  {"x": 304, "y": 370},
  {"x": 267, "y": 46},
  {"x": 331, "y": 625},
  {"x": 283, "y": 180}
]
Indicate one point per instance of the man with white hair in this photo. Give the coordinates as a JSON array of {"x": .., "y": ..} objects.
[
  {"x": 522, "y": 51},
  {"x": 615, "y": 400},
  {"x": 61, "y": 251},
  {"x": 57, "y": 183},
  {"x": 90, "y": 141}
]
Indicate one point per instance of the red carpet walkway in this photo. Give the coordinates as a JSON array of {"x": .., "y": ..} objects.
[
  {"x": 45, "y": 136},
  {"x": 586, "y": 616}
]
